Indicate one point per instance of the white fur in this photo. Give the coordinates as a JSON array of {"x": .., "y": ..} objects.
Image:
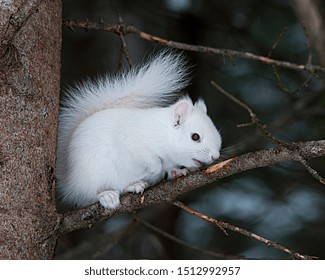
[{"x": 118, "y": 135}]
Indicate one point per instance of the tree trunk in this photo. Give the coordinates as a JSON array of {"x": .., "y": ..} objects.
[{"x": 30, "y": 34}]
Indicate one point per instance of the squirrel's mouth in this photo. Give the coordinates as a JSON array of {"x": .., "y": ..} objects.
[{"x": 197, "y": 162}]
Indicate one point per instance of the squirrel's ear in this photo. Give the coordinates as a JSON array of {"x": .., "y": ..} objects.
[
  {"x": 201, "y": 106},
  {"x": 181, "y": 110}
]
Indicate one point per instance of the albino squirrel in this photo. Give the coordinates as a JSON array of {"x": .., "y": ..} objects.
[{"x": 122, "y": 134}]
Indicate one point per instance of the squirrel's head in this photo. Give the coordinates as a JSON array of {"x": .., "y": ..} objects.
[{"x": 198, "y": 142}]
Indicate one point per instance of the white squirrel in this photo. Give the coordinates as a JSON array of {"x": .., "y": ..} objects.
[{"x": 121, "y": 134}]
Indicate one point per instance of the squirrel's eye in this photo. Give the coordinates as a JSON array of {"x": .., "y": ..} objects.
[{"x": 195, "y": 137}]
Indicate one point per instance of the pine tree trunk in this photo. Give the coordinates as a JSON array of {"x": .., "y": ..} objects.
[{"x": 30, "y": 34}]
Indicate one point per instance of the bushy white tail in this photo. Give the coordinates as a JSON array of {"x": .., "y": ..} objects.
[{"x": 157, "y": 83}]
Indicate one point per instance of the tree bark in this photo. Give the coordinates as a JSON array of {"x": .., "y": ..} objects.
[{"x": 30, "y": 33}]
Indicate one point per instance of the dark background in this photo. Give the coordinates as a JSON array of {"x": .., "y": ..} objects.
[{"x": 283, "y": 202}]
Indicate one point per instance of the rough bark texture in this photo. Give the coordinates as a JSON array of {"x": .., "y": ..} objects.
[{"x": 30, "y": 33}]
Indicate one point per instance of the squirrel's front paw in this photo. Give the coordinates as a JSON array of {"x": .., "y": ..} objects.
[
  {"x": 137, "y": 187},
  {"x": 109, "y": 199},
  {"x": 178, "y": 172}
]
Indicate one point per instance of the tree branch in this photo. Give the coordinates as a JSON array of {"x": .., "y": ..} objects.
[
  {"x": 187, "y": 245},
  {"x": 169, "y": 191},
  {"x": 262, "y": 127},
  {"x": 242, "y": 231},
  {"x": 126, "y": 28},
  {"x": 255, "y": 120}
]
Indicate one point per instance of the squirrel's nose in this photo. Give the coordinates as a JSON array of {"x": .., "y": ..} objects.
[{"x": 215, "y": 156}]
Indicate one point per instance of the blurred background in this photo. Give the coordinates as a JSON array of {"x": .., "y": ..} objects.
[{"x": 283, "y": 202}]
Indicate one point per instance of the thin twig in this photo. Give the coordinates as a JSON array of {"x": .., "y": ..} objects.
[
  {"x": 255, "y": 120},
  {"x": 284, "y": 87},
  {"x": 265, "y": 132},
  {"x": 185, "y": 244},
  {"x": 303, "y": 84},
  {"x": 124, "y": 48},
  {"x": 219, "y": 224},
  {"x": 223, "y": 52},
  {"x": 281, "y": 84},
  {"x": 312, "y": 171},
  {"x": 243, "y": 232},
  {"x": 277, "y": 42}
]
